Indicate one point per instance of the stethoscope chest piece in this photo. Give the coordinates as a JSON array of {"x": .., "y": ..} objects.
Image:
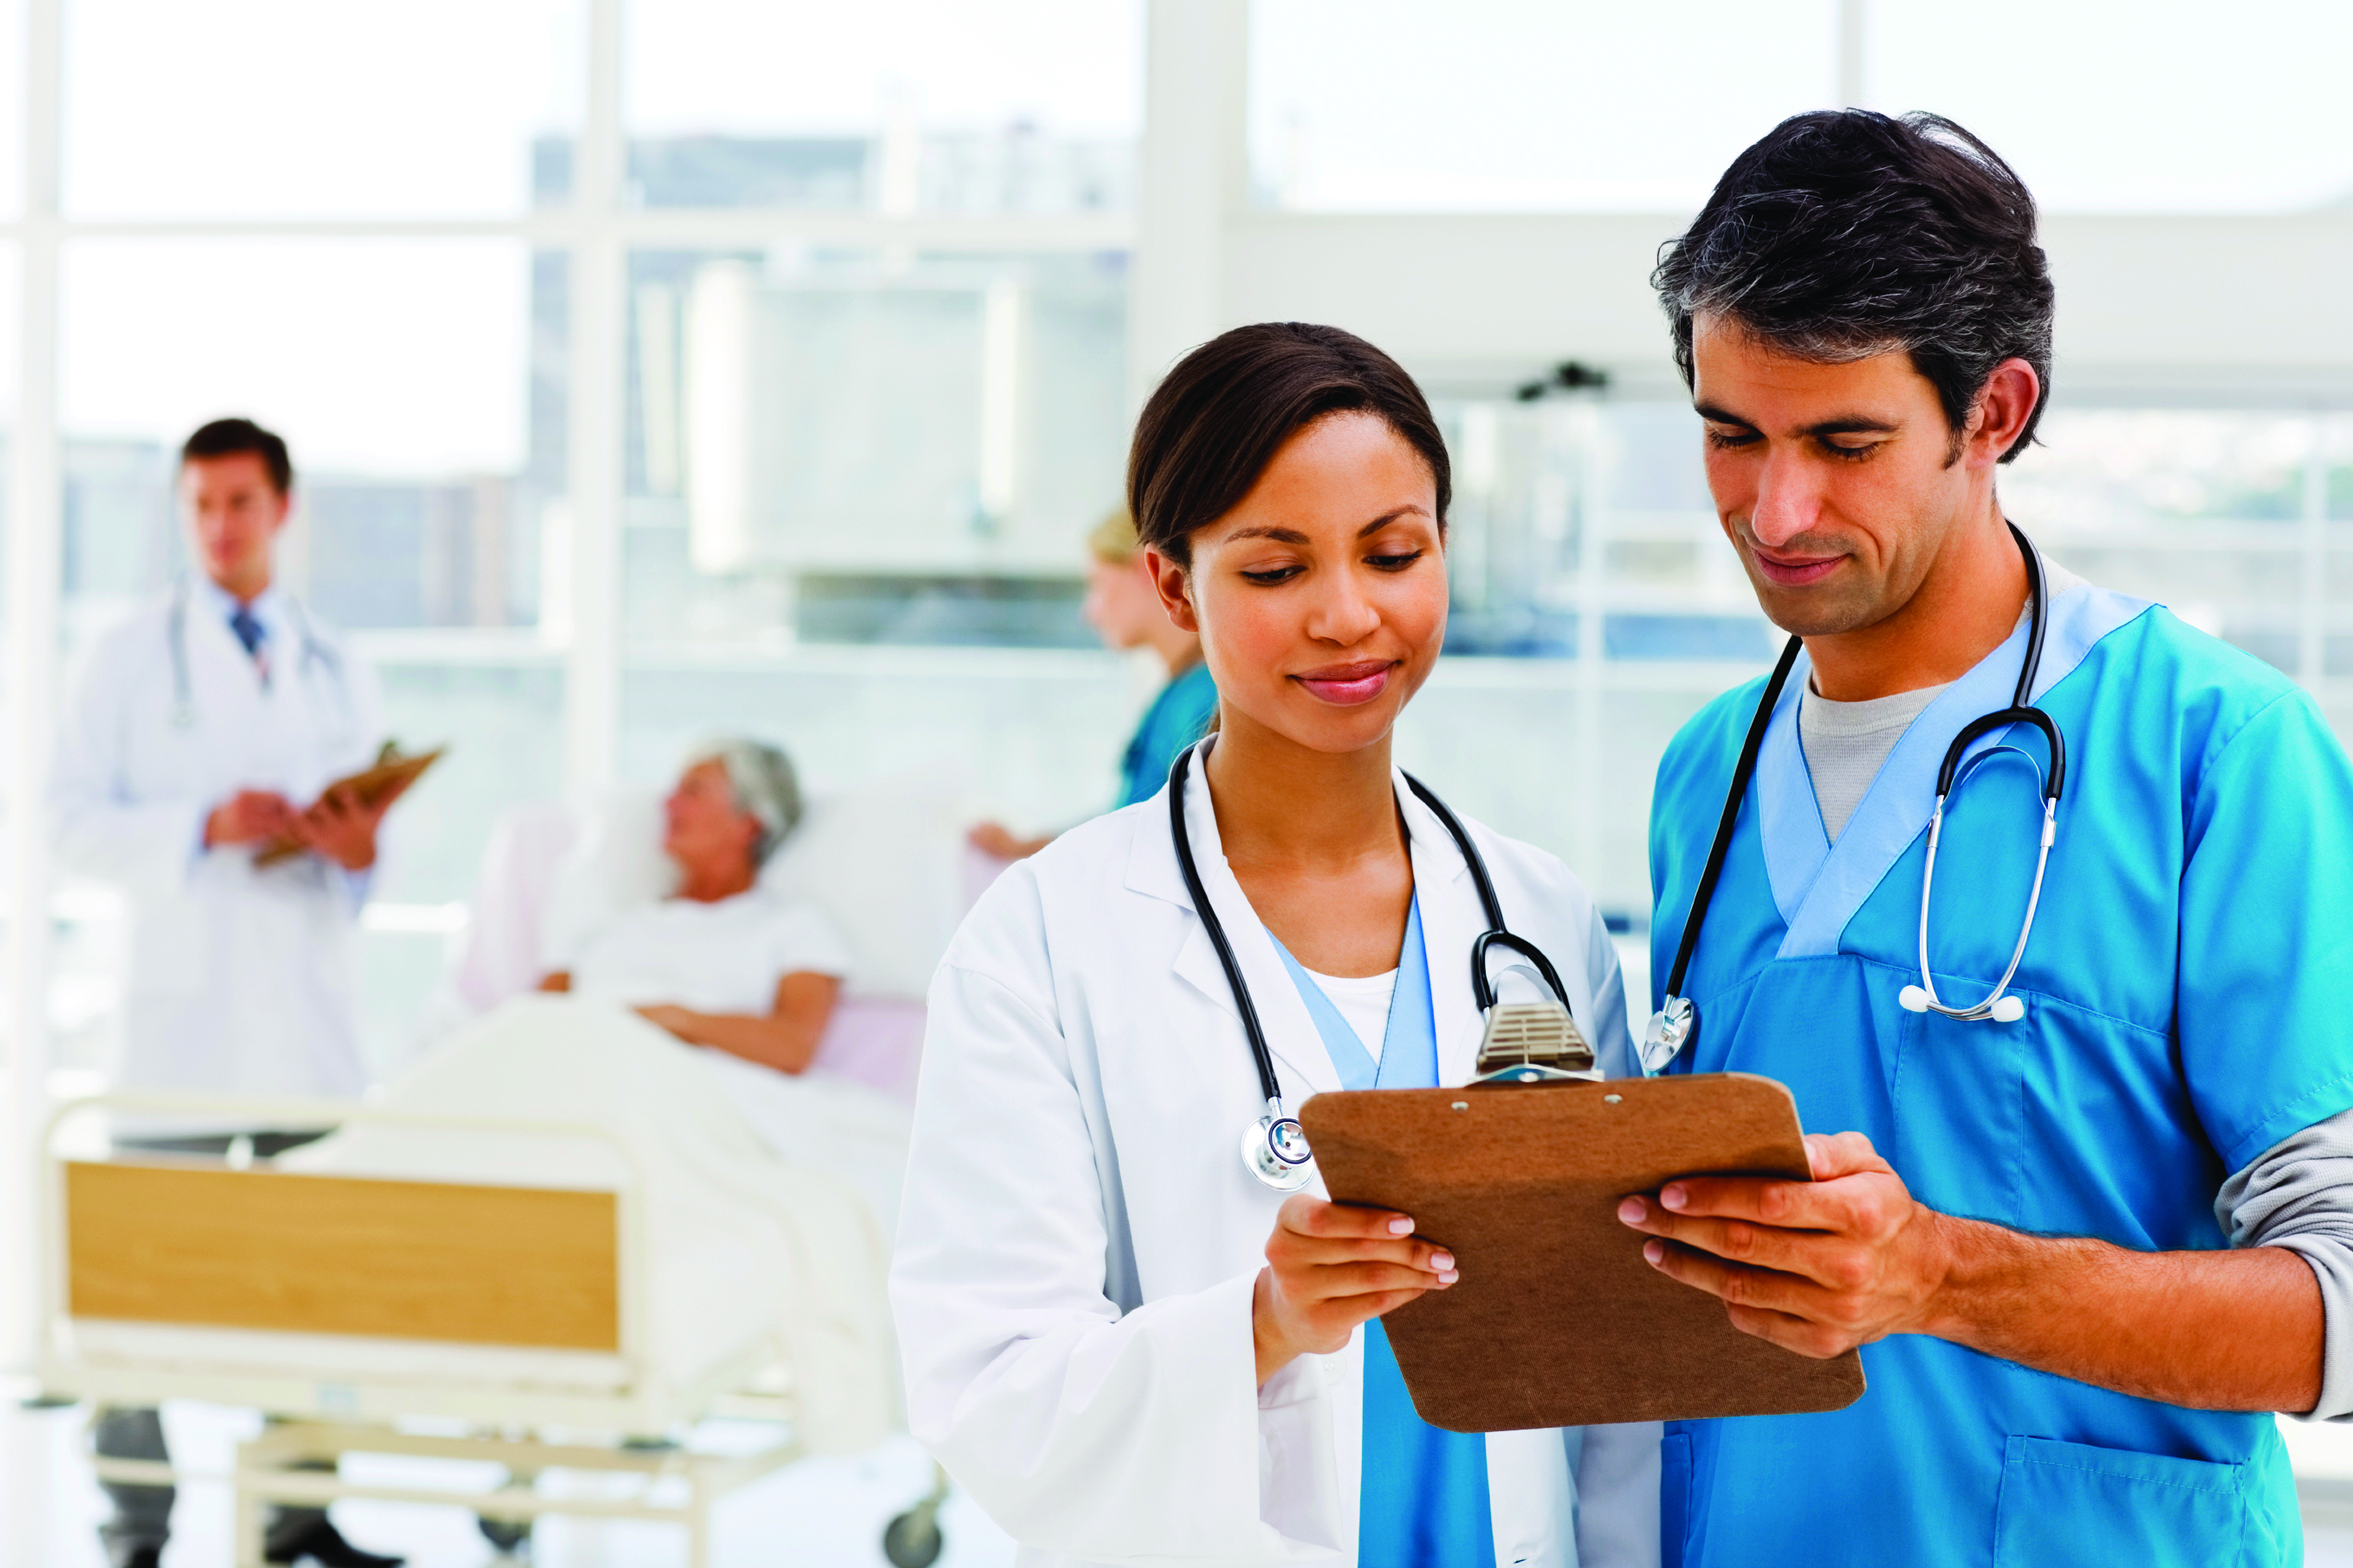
[
  {"x": 1275, "y": 1150},
  {"x": 1670, "y": 1030}
]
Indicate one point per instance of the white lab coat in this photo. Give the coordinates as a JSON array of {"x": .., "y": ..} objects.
[
  {"x": 1079, "y": 1240},
  {"x": 241, "y": 979}
]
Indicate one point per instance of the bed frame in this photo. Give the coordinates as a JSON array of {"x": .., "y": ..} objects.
[{"x": 192, "y": 1243}]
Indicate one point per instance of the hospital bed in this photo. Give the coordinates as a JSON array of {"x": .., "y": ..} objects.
[
  {"x": 554, "y": 1327},
  {"x": 550, "y": 1329}
]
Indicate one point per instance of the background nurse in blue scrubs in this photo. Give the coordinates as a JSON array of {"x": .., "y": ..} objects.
[
  {"x": 2088, "y": 1251},
  {"x": 1123, "y": 606}
]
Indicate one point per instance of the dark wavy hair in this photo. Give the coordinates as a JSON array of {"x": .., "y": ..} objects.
[
  {"x": 1218, "y": 419},
  {"x": 1844, "y": 234},
  {"x": 227, "y": 437}
]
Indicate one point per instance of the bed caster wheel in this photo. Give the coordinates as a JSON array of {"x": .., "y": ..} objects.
[
  {"x": 913, "y": 1540},
  {"x": 508, "y": 1536}
]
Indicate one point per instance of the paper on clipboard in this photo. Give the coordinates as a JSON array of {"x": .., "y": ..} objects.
[
  {"x": 390, "y": 774},
  {"x": 1557, "y": 1321}
]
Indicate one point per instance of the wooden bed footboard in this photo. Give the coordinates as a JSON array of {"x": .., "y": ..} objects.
[{"x": 165, "y": 1243}]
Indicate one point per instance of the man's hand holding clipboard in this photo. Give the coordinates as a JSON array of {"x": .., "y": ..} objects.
[
  {"x": 1558, "y": 1317},
  {"x": 341, "y": 824}
]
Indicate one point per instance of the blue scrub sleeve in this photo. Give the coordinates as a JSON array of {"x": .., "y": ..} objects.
[{"x": 2264, "y": 994}]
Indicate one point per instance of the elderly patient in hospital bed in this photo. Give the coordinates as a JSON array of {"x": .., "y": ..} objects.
[{"x": 690, "y": 1002}]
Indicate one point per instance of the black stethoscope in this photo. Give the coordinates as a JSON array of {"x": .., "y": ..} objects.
[
  {"x": 1274, "y": 1147},
  {"x": 1672, "y": 1024},
  {"x": 184, "y": 694}
]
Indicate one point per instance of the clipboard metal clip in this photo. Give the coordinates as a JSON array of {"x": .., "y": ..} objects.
[{"x": 1533, "y": 1043}]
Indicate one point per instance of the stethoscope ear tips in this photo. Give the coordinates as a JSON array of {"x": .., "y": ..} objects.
[{"x": 2005, "y": 1009}]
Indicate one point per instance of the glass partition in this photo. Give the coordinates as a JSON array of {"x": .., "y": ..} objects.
[{"x": 860, "y": 484}]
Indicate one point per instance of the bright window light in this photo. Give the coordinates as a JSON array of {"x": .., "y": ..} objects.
[
  {"x": 1521, "y": 105},
  {"x": 387, "y": 358},
  {"x": 2163, "y": 106},
  {"x": 292, "y": 108}
]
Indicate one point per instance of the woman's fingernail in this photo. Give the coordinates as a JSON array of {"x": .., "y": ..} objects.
[
  {"x": 1441, "y": 1261},
  {"x": 1633, "y": 1211},
  {"x": 1400, "y": 1225},
  {"x": 1653, "y": 1251},
  {"x": 1449, "y": 1277},
  {"x": 1673, "y": 1197}
]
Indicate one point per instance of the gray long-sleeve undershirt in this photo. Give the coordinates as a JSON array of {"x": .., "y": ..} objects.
[{"x": 2298, "y": 1195}]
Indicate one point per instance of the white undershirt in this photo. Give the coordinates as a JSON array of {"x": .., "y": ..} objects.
[{"x": 1363, "y": 1002}]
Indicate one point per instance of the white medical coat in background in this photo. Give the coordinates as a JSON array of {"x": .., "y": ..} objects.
[
  {"x": 1078, "y": 1240},
  {"x": 241, "y": 978}
]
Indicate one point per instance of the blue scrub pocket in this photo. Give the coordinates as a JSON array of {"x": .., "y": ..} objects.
[{"x": 2069, "y": 1503}]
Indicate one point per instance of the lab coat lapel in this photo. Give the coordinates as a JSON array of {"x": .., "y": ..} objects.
[
  {"x": 1305, "y": 1066},
  {"x": 1451, "y": 921}
]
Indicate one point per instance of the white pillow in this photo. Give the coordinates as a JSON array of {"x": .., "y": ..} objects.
[
  {"x": 616, "y": 864},
  {"x": 886, "y": 867}
]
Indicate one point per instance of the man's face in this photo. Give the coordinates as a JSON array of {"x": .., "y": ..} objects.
[
  {"x": 234, "y": 513},
  {"x": 1838, "y": 483}
]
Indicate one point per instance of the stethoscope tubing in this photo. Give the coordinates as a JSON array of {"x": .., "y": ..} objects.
[
  {"x": 1262, "y": 1055},
  {"x": 175, "y": 637},
  {"x": 1678, "y": 1013}
]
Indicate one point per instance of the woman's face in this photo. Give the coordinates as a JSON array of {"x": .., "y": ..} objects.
[
  {"x": 1122, "y": 604},
  {"x": 1321, "y": 599},
  {"x": 702, "y": 825}
]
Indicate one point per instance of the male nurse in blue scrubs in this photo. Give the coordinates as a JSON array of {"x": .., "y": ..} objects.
[{"x": 2088, "y": 1252}]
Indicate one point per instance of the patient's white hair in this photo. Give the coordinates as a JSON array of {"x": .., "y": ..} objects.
[{"x": 766, "y": 789}]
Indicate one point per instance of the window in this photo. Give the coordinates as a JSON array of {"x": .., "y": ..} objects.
[
  {"x": 2168, "y": 106},
  {"x": 898, "y": 107},
  {"x": 1521, "y": 105},
  {"x": 279, "y": 109}
]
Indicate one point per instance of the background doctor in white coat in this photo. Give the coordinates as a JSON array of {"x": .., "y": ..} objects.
[
  {"x": 202, "y": 727},
  {"x": 1122, "y": 1343},
  {"x": 183, "y": 750}
]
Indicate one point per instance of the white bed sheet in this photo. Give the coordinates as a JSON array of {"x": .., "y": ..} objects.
[{"x": 744, "y": 1249}]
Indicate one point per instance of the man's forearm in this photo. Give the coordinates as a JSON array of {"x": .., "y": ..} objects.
[{"x": 2213, "y": 1330}]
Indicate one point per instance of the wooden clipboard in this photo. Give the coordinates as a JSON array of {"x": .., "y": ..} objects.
[
  {"x": 1557, "y": 1321},
  {"x": 390, "y": 774}
]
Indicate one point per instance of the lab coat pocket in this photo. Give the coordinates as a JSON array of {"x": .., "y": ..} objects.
[
  {"x": 2069, "y": 1503},
  {"x": 1675, "y": 1497}
]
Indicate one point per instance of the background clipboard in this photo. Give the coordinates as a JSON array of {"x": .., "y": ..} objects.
[
  {"x": 1557, "y": 1321},
  {"x": 390, "y": 774}
]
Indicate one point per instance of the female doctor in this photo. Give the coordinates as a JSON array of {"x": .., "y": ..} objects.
[{"x": 1120, "y": 1337}]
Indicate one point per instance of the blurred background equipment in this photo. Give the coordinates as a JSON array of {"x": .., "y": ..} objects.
[{"x": 661, "y": 369}]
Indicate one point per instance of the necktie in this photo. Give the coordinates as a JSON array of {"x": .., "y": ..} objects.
[
  {"x": 250, "y": 632},
  {"x": 248, "y": 628}
]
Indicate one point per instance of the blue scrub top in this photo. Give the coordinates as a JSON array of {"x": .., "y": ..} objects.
[
  {"x": 1422, "y": 1499},
  {"x": 1179, "y": 715},
  {"x": 2188, "y": 1001}
]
